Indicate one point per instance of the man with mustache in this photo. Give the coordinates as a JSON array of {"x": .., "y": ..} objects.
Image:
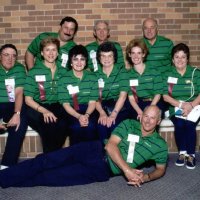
[
  {"x": 131, "y": 144},
  {"x": 66, "y": 33}
]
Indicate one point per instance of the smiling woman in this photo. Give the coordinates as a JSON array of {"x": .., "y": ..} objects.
[
  {"x": 45, "y": 114},
  {"x": 78, "y": 94}
]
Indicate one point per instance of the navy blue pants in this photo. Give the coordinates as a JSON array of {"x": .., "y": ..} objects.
[
  {"x": 185, "y": 134},
  {"x": 15, "y": 138},
  {"x": 103, "y": 131},
  {"x": 142, "y": 104},
  {"x": 53, "y": 134},
  {"x": 75, "y": 165},
  {"x": 80, "y": 134}
]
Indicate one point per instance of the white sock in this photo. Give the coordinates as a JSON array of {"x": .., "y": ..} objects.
[
  {"x": 183, "y": 152},
  {"x": 3, "y": 167}
]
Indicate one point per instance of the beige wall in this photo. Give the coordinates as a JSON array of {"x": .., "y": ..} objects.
[{"x": 22, "y": 20}]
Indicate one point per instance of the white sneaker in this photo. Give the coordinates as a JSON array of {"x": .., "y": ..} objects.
[{"x": 3, "y": 167}]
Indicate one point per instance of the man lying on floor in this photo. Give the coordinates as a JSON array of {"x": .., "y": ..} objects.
[{"x": 130, "y": 145}]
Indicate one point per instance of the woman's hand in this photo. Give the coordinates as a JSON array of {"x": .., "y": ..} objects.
[
  {"x": 111, "y": 119},
  {"x": 187, "y": 108},
  {"x": 14, "y": 121},
  {"x": 49, "y": 117},
  {"x": 139, "y": 116},
  {"x": 2, "y": 126},
  {"x": 103, "y": 119},
  {"x": 83, "y": 120}
]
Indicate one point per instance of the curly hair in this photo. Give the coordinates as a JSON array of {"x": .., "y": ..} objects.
[
  {"x": 107, "y": 47},
  {"x": 77, "y": 50}
]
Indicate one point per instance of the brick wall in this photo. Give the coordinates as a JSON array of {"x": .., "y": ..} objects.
[{"x": 21, "y": 20}]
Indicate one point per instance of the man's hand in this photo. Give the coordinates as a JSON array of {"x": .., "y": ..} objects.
[{"x": 135, "y": 177}]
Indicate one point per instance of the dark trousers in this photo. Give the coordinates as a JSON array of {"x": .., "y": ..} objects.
[
  {"x": 81, "y": 134},
  {"x": 185, "y": 134},
  {"x": 53, "y": 134},
  {"x": 75, "y": 165},
  {"x": 15, "y": 138},
  {"x": 103, "y": 131},
  {"x": 142, "y": 104}
]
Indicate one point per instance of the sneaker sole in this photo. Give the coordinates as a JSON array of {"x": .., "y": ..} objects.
[
  {"x": 179, "y": 165},
  {"x": 190, "y": 167}
]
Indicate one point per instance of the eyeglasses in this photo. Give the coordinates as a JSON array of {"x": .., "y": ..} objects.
[{"x": 7, "y": 55}]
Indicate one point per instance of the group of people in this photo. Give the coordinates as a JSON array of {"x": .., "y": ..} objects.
[{"x": 89, "y": 94}]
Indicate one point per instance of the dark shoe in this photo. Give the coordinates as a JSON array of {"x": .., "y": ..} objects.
[
  {"x": 191, "y": 162},
  {"x": 180, "y": 161}
]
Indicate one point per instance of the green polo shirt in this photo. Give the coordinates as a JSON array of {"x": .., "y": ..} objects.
[
  {"x": 88, "y": 87},
  {"x": 183, "y": 88},
  {"x": 94, "y": 46},
  {"x": 18, "y": 73},
  {"x": 151, "y": 147},
  {"x": 150, "y": 83},
  {"x": 159, "y": 56},
  {"x": 115, "y": 83},
  {"x": 34, "y": 47},
  {"x": 50, "y": 85}
]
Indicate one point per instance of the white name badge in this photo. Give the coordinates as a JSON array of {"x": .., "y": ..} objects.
[
  {"x": 93, "y": 54},
  {"x": 132, "y": 139},
  {"x": 134, "y": 82},
  {"x": 101, "y": 83},
  {"x": 73, "y": 89},
  {"x": 10, "y": 81},
  {"x": 64, "y": 58},
  {"x": 40, "y": 78},
  {"x": 172, "y": 80}
]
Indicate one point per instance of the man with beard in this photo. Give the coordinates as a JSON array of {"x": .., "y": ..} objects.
[{"x": 68, "y": 28}]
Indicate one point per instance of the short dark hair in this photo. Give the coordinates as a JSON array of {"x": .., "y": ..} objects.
[
  {"x": 106, "y": 47},
  {"x": 12, "y": 46},
  {"x": 77, "y": 50},
  {"x": 70, "y": 19},
  {"x": 181, "y": 47}
]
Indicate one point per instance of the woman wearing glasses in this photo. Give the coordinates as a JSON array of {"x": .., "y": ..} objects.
[
  {"x": 182, "y": 92},
  {"x": 12, "y": 111},
  {"x": 112, "y": 88},
  {"x": 45, "y": 114}
]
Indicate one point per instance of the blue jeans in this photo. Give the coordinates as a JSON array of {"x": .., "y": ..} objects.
[
  {"x": 15, "y": 138},
  {"x": 185, "y": 134},
  {"x": 79, "y": 164}
]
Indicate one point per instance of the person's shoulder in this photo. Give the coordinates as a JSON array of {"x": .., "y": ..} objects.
[
  {"x": 19, "y": 65},
  {"x": 161, "y": 140},
  {"x": 91, "y": 44},
  {"x": 163, "y": 38},
  {"x": 62, "y": 70},
  {"x": 43, "y": 35}
]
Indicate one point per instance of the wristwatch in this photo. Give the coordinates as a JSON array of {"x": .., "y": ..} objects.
[{"x": 18, "y": 112}]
